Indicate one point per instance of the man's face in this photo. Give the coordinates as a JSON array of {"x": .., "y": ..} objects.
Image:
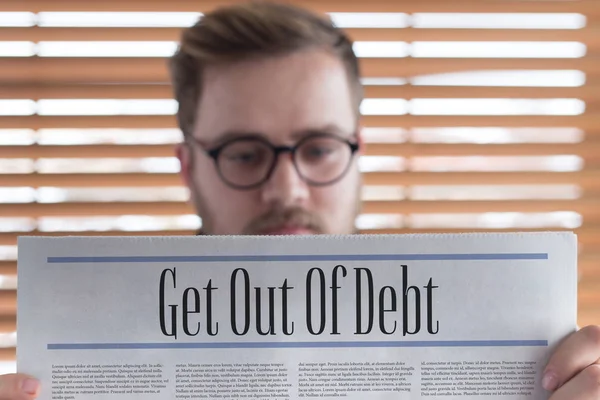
[{"x": 282, "y": 101}]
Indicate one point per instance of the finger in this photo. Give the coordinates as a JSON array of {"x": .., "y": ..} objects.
[
  {"x": 577, "y": 352},
  {"x": 18, "y": 387},
  {"x": 585, "y": 386}
]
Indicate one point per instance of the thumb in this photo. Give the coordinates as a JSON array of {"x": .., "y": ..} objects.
[{"x": 18, "y": 387}]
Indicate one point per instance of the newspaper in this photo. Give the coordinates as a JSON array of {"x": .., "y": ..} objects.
[{"x": 357, "y": 317}]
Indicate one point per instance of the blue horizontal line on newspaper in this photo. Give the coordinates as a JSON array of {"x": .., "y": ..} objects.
[
  {"x": 288, "y": 345},
  {"x": 302, "y": 257}
]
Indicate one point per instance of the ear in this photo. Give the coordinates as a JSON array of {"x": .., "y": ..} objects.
[
  {"x": 360, "y": 139},
  {"x": 185, "y": 161}
]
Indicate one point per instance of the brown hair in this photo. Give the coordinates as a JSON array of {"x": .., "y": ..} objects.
[{"x": 249, "y": 30}]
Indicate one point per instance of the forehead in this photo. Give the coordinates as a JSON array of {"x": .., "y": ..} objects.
[{"x": 276, "y": 97}]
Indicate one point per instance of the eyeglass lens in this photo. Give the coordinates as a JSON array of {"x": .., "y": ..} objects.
[{"x": 249, "y": 162}]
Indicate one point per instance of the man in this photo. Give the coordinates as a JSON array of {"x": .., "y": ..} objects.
[
  {"x": 251, "y": 79},
  {"x": 269, "y": 101}
]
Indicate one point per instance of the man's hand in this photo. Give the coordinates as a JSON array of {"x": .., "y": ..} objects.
[
  {"x": 573, "y": 372},
  {"x": 18, "y": 387}
]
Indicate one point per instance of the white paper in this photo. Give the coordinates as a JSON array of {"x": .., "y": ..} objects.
[{"x": 492, "y": 308}]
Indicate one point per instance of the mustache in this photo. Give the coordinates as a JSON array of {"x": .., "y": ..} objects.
[{"x": 277, "y": 218}]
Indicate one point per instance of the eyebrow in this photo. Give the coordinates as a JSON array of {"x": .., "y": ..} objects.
[
  {"x": 226, "y": 137},
  {"x": 297, "y": 135},
  {"x": 329, "y": 129},
  {"x": 230, "y": 135}
]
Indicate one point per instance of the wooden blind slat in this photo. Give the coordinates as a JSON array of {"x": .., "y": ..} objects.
[
  {"x": 92, "y": 180},
  {"x": 587, "y": 316},
  {"x": 73, "y": 34},
  {"x": 409, "y": 67},
  {"x": 8, "y": 267},
  {"x": 590, "y": 285},
  {"x": 88, "y": 122},
  {"x": 589, "y": 150},
  {"x": 590, "y": 35},
  {"x": 8, "y": 302},
  {"x": 588, "y": 294},
  {"x": 88, "y": 151},
  {"x": 587, "y": 206},
  {"x": 37, "y": 210},
  {"x": 8, "y": 353},
  {"x": 587, "y": 121},
  {"x": 491, "y": 6},
  {"x": 593, "y": 220},
  {"x": 8, "y": 324},
  {"x": 589, "y": 92},
  {"x": 67, "y": 91},
  {"x": 588, "y": 179},
  {"x": 590, "y": 260},
  {"x": 154, "y": 69}
]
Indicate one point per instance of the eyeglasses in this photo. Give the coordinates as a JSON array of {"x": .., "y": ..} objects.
[{"x": 248, "y": 162}]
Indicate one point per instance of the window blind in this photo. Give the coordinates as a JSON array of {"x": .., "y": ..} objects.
[{"x": 480, "y": 115}]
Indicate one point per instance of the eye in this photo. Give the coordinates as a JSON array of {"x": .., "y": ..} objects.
[
  {"x": 245, "y": 153},
  {"x": 247, "y": 156},
  {"x": 316, "y": 151},
  {"x": 320, "y": 149}
]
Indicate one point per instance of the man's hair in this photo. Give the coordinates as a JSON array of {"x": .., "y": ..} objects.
[{"x": 249, "y": 31}]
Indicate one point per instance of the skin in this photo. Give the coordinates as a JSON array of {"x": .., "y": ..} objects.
[{"x": 282, "y": 98}]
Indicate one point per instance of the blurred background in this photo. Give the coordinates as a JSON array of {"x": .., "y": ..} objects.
[{"x": 481, "y": 115}]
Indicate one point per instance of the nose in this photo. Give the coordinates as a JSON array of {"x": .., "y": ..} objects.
[{"x": 285, "y": 187}]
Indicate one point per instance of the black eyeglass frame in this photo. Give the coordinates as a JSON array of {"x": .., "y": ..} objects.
[{"x": 215, "y": 152}]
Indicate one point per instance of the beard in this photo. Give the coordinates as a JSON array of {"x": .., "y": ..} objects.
[{"x": 280, "y": 217}]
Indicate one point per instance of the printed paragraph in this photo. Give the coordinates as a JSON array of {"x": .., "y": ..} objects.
[
  {"x": 478, "y": 378},
  {"x": 231, "y": 381},
  {"x": 82, "y": 380},
  {"x": 335, "y": 379}
]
